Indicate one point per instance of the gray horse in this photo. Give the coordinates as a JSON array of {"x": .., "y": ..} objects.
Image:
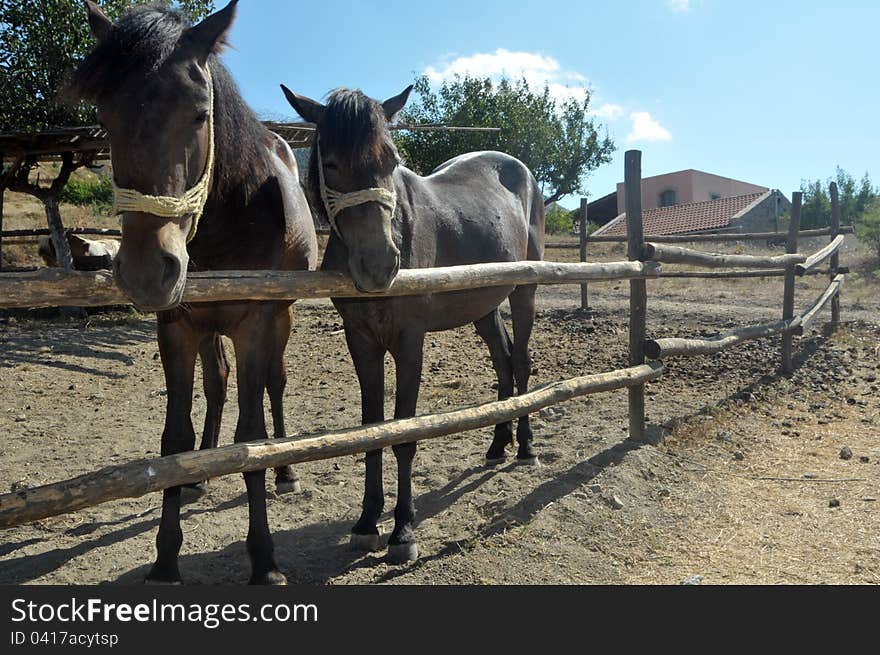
[{"x": 479, "y": 207}]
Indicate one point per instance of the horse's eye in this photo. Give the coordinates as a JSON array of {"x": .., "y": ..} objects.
[
  {"x": 331, "y": 166},
  {"x": 201, "y": 118}
]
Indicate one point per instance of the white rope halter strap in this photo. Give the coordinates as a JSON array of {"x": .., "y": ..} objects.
[
  {"x": 191, "y": 202},
  {"x": 336, "y": 201}
]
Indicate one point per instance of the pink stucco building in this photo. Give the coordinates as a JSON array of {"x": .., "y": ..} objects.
[{"x": 686, "y": 187}]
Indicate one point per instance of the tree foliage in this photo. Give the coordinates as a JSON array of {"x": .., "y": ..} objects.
[
  {"x": 558, "y": 141},
  {"x": 41, "y": 41},
  {"x": 868, "y": 226},
  {"x": 558, "y": 220},
  {"x": 855, "y": 198}
]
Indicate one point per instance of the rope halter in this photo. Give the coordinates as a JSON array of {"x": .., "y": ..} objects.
[
  {"x": 191, "y": 202},
  {"x": 336, "y": 201}
]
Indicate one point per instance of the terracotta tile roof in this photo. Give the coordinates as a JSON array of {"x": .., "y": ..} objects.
[{"x": 693, "y": 217}]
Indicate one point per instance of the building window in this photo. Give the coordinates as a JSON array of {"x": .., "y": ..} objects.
[
  {"x": 714, "y": 196},
  {"x": 667, "y": 198}
]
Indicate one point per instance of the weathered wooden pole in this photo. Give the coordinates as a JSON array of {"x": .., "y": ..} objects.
[
  {"x": 585, "y": 301},
  {"x": 834, "y": 264},
  {"x": 2, "y": 193},
  {"x": 791, "y": 246},
  {"x": 148, "y": 475},
  {"x": 638, "y": 290}
]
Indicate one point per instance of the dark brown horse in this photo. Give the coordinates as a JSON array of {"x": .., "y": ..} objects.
[
  {"x": 164, "y": 99},
  {"x": 480, "y": 207}
]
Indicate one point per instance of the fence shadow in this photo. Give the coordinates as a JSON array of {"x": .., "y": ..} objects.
[
  {"x": 97, "y": 344},
  {"x": 28, "y": 568}
]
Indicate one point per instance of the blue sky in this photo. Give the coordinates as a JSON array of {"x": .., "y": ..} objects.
[{"x": 770, "y": 92}]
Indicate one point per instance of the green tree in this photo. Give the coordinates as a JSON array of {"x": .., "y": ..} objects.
[
  {"x": 855, "y": 198},
  {"x": 558, "y": 220},
  {"x": 41, "y": 41},
  {"x": 558, "y": 141},
  {"x": 868, "y": 226}
]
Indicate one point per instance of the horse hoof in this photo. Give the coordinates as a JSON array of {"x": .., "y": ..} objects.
[
  {"x": 152, "y": 582},
  {"x": 528, "y": 461},
  {"x": 288, "y": 487},
  {"x": 367, "y": 542},
  {"x": 403, "y": 553},
  {"x": 271, "y": 578},
  {"x": 495, "y": 461}
]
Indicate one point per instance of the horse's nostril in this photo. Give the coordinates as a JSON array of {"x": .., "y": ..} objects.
[{"x": 171, "y": 271}]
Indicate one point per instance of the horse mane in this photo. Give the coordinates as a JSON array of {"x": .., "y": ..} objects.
[
  {"x": 355, "y": 129},
  {"x": 140, "y": 43}
]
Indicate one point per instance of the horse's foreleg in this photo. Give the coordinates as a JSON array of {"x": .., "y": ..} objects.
[
  {"x": 178, "y": 345},
  {"x": 252, "y": 360},
  {"x": 522, "y": 308},
  {"x": 491, "y": 329},
  {"x": 408, "y": 353},
  {"x": 369, "y": 363},
  {"x": 285, "y": 479}
]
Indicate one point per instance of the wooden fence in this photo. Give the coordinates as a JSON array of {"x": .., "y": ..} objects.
[{"x": 644, "y": 257}]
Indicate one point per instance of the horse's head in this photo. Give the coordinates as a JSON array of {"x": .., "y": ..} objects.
[
  {"x": 352, "y": 164},
  {"x": 149, "y": 77}
]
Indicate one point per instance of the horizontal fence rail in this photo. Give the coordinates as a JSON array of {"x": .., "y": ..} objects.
[
  {"x": 676, "y": 255},
  {"x": 808, "y": 317},
  {"x": 764, "y": 272},
  {"x": 702, "y": 238},
  {"x": 55, "y": 287},
  {"x": 680, "y": 347},
  {"x": 820, "y": 256},
  {"x": 674, "y": 347},
  {"x": 145, "y": 476}
]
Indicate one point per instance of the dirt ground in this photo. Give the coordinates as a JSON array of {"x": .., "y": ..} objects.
[{"x": 747, "y": 485}]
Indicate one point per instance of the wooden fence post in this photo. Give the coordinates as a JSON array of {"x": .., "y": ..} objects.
[
  {"x": 638, "y": 293},
  {"x": 834, "y": 265},
  {"x": 2, "y": 193},
  {"x": 791, "y": 246},
  {"x": 585, "y": 301}
]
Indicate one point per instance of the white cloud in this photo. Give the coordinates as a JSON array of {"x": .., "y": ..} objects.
[
  {"x": 541, "y": 70},
  {"x": 679, "y": 6},
  {"x": 609, "y": 111},
  {"x": 537, "y": 69},
  {"x": 646, "y": 128}
]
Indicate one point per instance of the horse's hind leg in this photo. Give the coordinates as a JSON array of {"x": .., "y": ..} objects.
[
  {"x": 178, "y": 344},
  {"x": 408, "y": 352},
  {"x": 215, "y": 374},
  {"x": 491, "y": 329},
  {"x": 522, "y": 308},
  {"x": 276, "y": 381}
]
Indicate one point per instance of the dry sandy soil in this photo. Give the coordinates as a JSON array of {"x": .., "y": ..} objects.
[{"x": 747, "y": 484}]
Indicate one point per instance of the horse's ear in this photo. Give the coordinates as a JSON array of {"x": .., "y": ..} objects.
[
  {"x": 311, "y": 110},
  {"x": 98, "y": 21},
  {"x": 209, "y": 36},
  {"x": 393, "y": 105}
]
